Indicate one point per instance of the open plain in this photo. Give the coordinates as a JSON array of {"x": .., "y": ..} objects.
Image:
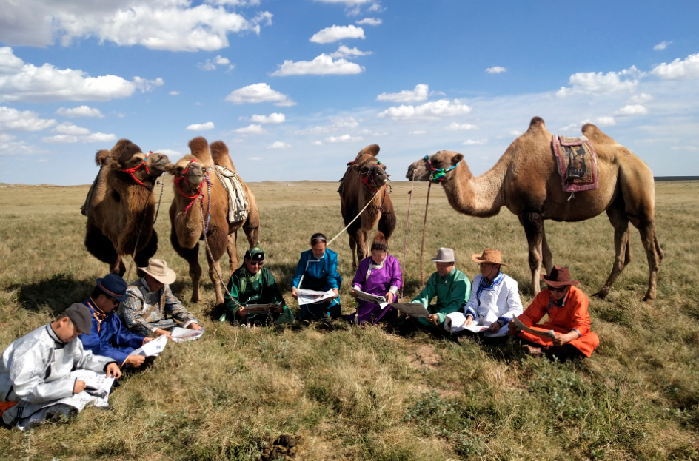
[{"x": 365, "y": 393}]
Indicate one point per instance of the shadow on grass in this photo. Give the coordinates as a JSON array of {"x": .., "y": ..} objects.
[{"x": 56, "y": 293}]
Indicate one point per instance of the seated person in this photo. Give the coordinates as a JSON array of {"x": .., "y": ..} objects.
[
  {"x": 379, "y": 275},
  {"x": 108, "y": 337},
  {"x": 566, "y": 306},
  {"x": 150, "y": 301},
  {"x": 38, "y": 371},
  {"x": 317, "y": 270},
  {"x": 451, "y": 287},
  {"x": 494, "y": 298},
  {"x": 253, "y": 284}
]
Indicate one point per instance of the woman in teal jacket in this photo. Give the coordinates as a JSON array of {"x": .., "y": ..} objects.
[{"x": 317, "y": 270}]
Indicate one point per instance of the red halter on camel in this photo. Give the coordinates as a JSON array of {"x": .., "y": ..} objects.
[
  {"x": 131, "y": 171},
  {"x": 369, "y": 178},
  {"x": 198, "y": 194}
]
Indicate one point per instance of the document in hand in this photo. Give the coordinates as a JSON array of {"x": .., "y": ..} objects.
[
  {"x": 307, "y": 296},
  {"x": 412, "y": 309},
  {"x": 454, "y": 323},
  {"x": 498, "y": 334},
  {"x": 153, "y": 348},
  {"x": 180, "y": 335},
  {"x": 544, "y": 334},
  {"x": 261, "y": 308},
  {"x": 380, "y": 300},
  {"x": 96, "y": 384}
]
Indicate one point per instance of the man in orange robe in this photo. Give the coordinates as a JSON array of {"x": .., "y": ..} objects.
[{"x": 566, "y": 306}]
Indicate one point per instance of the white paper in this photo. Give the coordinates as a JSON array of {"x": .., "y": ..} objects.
[
  {"x": 544, "y": 334},
  {"x": 412, "y": 309},
  {"x": 498, "y": 334},
  {"x": 380, "y": 300},
  {"x": 307, "y": 296},
  {"x": 180, "y": 335},
  {"x": 153, "y": 348},
  {"x": 454, "y": 323}
]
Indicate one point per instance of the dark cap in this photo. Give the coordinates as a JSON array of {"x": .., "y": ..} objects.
[
  {"x": 255, "y": 254},
  {"x": 81, "y": 317},
  {"x": 113, "y": 286}
]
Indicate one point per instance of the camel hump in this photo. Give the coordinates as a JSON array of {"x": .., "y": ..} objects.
[
  {"x": 370, "y": 150},
  {"x": 221, "y": 155},
  {"x": 199, "y": 147},
  {"x": 123, "y": 150},
  {"x": 595, "y": 135},
  {"x": 537, "y": 122},
  {"x": 102, "y": 157}
]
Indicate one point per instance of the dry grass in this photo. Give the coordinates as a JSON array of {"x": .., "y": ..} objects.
[{"x": 364, "y": 393}]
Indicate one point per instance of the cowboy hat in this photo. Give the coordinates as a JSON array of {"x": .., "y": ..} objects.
[
  {"x": 489, "y": 255},
  {"x": 157, "y": 268},
  {"x": 445, "y": 255},
  {"x": 559, "y": 277}
]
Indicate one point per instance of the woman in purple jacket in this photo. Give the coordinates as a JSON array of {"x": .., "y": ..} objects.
[{"x": 378, "y": 275}]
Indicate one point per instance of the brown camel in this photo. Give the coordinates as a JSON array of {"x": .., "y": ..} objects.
[
  {"x": 527, "y": 182},
  {"x": 122, "y": 206},
  {"x": 363, "y": 178},
  {"x": 193, "y": 174}
]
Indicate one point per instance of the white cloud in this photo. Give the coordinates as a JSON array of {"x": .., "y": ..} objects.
[
  {"x": 171, "y": 153},
  {"x": 604, "y": 121},
  {"x": 347, "y": 122},
  {"x": 61, "y": 139},
  {"x": 12, "y": 119},
  {"x": 417, "y": 132},
  {"x": 376, "y": 7},
  {"x": 420, "y": 93},
  {"x": 70, "y": 133},
  {"x": 496, "y": 70},
  {"x": 662, "y": 45},
  {"x": 255, "y": 159},
  {"x": 368, "y": 132},
  {"x": 632, "y": 109},
  {"x": 688, "y": 68},
  {"x": 174, "y": 93},
  {"x": 210, "y": 64},
  {"x": 99, "y": 137},
  {"x": 207, "y": 65},
  {"x": 259, "y": 92},
  {"x": 640, "y": 98},
  {"x": 369, "y": 21},
  {"x": 47, "y": 83},
  {"x": 251, "y": 129},
  {"x": 317, "y": 143},
  {"x": 335, "y": 33},
  {"x": 344, "y": 138},
  {"x": 321, "y": 65},
  {"x": 201, "y": 126},
  {"x": 344, "y": 51},
  {"x": 599, "y": 83},
  {"x": 460, "y": 126},
  {"x": 221, "y": 61},
  {"x": 475, "y": 142},
  {"x": 600, "y": 121},
  {"x": 10, "y": 147},
  {"x": 69, "y": 128},
  {"x": 428, "y": 111},
  {"x": 173, "y": 25},
  {"x": 273, "y": 118},
  {"x": 81, "y": 111},
  {"x": 279, "y": 145},
  {"x": 515, "y": 133}
]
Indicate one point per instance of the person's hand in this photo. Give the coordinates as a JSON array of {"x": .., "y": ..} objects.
[
  {"x": 79, "y": 386},
  {"x": 161, "y": 332},
  {"x": 336, "y": 292},
  {"x": 113, "y": 371},
  {"x": 469, "y": 320},
  {"x": 194, "y": 326},
  {"x": 562, "y": 339},
  {"x": 513, "y": 328},
  {"x": 147, "y": 339},
  {"x": 434, "y": 319},
  {"x": 294, "y": 293},
  {"x": 389, "y": 297},
  {"x": 242, "y": 311},
  {"x": 494, "y": 327},
  {"x": 135, "y": 360},
  {"x": 353, "y": 293}
]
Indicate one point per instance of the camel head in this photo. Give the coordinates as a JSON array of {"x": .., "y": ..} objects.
[
  {"x": 439, "y": 167},
  {"x": 189, "y": 174},
  {"x": 371, "y": 171},
  {"x": 140, "y": 167}
]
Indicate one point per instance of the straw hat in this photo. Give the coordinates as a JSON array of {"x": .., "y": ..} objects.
[
  {"x": 157, "y": 268},
  {"x": 445, "y": 255},
  {"x": 489, "y": 255},
  {"x": 559, "y": 277}
]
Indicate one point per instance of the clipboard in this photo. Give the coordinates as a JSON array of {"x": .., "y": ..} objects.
[
  {"x": 412, "y": 309},
  {"x": 369, "y": 297}
]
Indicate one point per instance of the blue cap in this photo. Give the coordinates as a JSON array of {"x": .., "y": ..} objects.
[{"x": 113, "y": 285}]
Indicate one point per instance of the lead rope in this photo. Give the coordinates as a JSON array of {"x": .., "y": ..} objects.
[
  {"x": 405, "y": 242},
  {"x": 424, "y": 227}
]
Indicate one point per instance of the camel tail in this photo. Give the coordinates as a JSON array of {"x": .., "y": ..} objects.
[
  {"x": 387, "y": 222},
  {"x": 199, "y": 147},
  {"x": 221, "y": 155}
]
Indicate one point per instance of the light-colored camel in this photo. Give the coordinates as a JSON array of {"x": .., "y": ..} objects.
[
  {"x": 527, "y": 182},
  {"x": 191, "y": 194},
  {"x": 363, "y": 178},
  {"x": 122, "y": 206}
]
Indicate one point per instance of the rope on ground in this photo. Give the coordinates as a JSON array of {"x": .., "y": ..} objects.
[{"x": 422, "y": 248}]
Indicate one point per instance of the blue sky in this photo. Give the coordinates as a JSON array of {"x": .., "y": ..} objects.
[{"x": 297, "y": 87}]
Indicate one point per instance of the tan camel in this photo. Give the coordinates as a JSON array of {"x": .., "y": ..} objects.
[
  {"x": 122, "y": 206},
  {"x": 363, "y": 178},
  {"x": 191, "y": 194},
  {"x": 527, "y": 182}
]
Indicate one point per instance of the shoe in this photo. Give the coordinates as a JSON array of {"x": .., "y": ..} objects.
[{"x": 533, "y": 351}]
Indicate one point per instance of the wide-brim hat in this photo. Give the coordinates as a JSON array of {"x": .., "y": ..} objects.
[
  {"x": 157, "y": 268},
  {"x": 445, "y": 255},
  {"x": 559, "y": 277},
  {"x": 489, "y": 255},
  {"x": 112, "y": 285}
]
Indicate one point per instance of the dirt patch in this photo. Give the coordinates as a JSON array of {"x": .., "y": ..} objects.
[{"x": 425, "y": 357}]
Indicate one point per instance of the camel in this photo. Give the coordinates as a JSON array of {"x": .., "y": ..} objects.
[
  {"x": 191, "y": 194},
  {"x": 527, "y": 182},
  {"x": 121, "y": 205},
  {"x": 363, "y": 178}
]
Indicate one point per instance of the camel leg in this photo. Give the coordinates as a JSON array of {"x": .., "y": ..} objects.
[
  {"x": 252, "y": 229},
  {"x": 218, "y": 243},
  {"x": 622, "y": 249},
  {"x": 533, "y": 224},
  {"x": 118, "y": 266},
  {"x": 102, "y": 248},
  {"x": 144, "y": 254},
  {"x": 233, "y": 253},
  {"x": 546, "y": 252},
  {"x": 192, "y": 257},
  {"x": 647, "y": 230},
  {"x": 353, "y": 250}
]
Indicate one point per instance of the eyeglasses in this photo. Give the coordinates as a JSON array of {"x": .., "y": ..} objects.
[
  {"x": 257, "y": 263},
  {"x": 114, "y": 301},
  {"x": 558, "y": 289}
]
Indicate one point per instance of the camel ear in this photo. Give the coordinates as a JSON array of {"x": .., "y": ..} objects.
[
  {"x": 371, "y": 150},
  {"x": 456, "y": 159},
  {"x": 102, "y": 157}
]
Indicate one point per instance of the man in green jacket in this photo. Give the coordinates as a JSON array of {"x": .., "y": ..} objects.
[
  {"x": 451, "y": 287},
  {"x": 250, "y": 284}
]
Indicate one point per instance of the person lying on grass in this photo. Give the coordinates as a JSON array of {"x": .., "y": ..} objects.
[
  {"x": 252, "y": 283},
  {"x": 150, "y": 302},
  {"x": 449, "y": 285},
  {"x": 38, "y": 372},
  {"x": 566, "y": 306},
  {"x": 494, "y": 299},
  {"x": 107, "y": 336}
]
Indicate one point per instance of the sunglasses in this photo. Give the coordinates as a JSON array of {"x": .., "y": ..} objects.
[
  {"x": 257, "y": 263},
  {"x": 114, "y": 301},
  {"x": 557, "y": 290}
]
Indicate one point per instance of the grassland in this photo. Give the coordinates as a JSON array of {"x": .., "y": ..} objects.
[{"x": 363, "y": 393}]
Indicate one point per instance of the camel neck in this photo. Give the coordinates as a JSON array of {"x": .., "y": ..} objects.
[{"x": 481, "y": 196}]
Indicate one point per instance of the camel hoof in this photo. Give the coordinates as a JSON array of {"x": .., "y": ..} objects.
[
  {"x": 194, "y": 299},
  {"x": 601, "y": 294},
  {"x": 648, "y": 297}
]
